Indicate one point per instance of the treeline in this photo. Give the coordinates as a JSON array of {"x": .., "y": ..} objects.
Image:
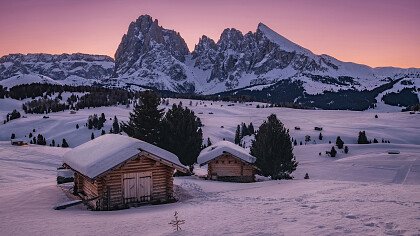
[
  {"x": 243, "y": 130},
  {"x": 94, "y": 93},
  {"x": 3, "y": 92},
  {"x": 44, "y": 105},
  {"x": 415, "y": 107},
  {"x": 347, "y": 99},
  {"x": 406, "y": 97},
  {"x": 94, "y": 97},
  {"x": 11, "y": 116}
]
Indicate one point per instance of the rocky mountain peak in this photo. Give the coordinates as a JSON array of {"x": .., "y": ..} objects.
[
  {"x": 230, "y": 38},
  {"x": 144, "y": 39}
]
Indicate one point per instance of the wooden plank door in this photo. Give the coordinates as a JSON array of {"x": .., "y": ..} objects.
[
  {"x": 144, "y": 185},
  {"x": 130, "y": 187}
]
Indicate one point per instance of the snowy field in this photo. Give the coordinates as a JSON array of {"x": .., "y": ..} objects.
[
  {"x": 364, "y": 192},
  {"x": 220, "y": 121}
]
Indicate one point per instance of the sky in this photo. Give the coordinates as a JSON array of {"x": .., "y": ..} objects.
[{"x": 371, "y": 32}]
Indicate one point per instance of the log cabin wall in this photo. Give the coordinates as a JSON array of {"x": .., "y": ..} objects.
[
  {"x": 109, "y": 187},
  {"x": 229, "y": 168},
  {"x": 161, "y": 177},
  {"x": 88, "y": 188}
]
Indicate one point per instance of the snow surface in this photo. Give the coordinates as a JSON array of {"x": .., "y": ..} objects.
[
  {"x": 107, "y": 151},
  {"x": 222, "y": 147},
  {"x": 27, "y": 79},
  {"x": 367, "y": 203},
  {"x": 364, "y": 192}
]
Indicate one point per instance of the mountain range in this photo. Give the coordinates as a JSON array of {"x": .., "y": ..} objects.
[{"x": 150, "y": 55}]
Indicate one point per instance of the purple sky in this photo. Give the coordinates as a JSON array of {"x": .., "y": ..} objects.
[{"x": 372, "y": 32}]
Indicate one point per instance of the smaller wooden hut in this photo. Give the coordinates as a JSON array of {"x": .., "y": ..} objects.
[
  {"x": 115, "y": 171},
  {"x": 228, "y": 162},
  {"x": 18, "y": 142}
]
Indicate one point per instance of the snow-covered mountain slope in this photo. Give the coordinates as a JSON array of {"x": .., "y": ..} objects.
[
  {"x": 64, "y": 67},
  {"x": 27, "y": 79},
  {"x": 150, "y": 55},
  {"x": 153, "y": 56}
]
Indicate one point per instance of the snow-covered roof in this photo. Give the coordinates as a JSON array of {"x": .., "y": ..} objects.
[
  {"x": 107, "y": 151},
  {"x": 222, "y": 147}
]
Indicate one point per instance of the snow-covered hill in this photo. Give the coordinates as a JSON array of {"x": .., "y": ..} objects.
[
  {"x": 398, "y": 127},
  {"x": 64, "y": 68},
  {"x": 364, "y": 192}
]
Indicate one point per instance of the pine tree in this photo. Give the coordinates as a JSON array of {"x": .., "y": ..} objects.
[
  {"x": 362, "y": 139},
  {"x": 92, "y": 136},
  {"x": 209, "y": 143},
  {"x": 339, "y": 142},
  {"x": 30, "y": 136},
  {"x": 273, "y": 148},
  {"x": 116, "y": 125},
  {"x": 90, "y": 123},
  {"x": 251, "y": 129},
  {"x": 102, "y": 118},
  {"x": 244, "y": 130},
  {"x": 320, "y": 136},
  {"x": 13, "y": 136},
  {"x": 145, "y": 119},
  {"x": 64, "y": 144},
  {"x": 238, "y": 135},
  {"x": 77, "y": 126},
  {"x": 375, "y": 140},
  {"x": 40, "y": 140},
  {"x": 294, "y": 142},
  {"x": 181, "y": 134},
  {"x": 346, "y": 149},
  {"x": 102, "y": 132},
  {"x": 333, "y": 152}
]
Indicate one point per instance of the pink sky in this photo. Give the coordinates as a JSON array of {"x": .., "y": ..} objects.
[{"x": 372, "y": 32}]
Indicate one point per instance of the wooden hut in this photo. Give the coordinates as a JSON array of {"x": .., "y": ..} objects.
[
  {"x": 228, "y": 162},
  {"x": 18, "y": 142},
  {"x": 115, "y": 171}
]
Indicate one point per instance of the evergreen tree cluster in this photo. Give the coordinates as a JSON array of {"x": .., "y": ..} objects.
[
  {"x": 64, "y": 143},
  {"x": 94, "y": 96},
  {"x": 274, "y": 150},
  {"x": 11, "y": 116},
  {"x": 95, "y": 122},
  {"x": 181, "y": 134},
  {"x": 3, "y": 92},
  {"x": 339, "y": 142},
  {"x": 39, "y": 139},
  {"x": 44, "y": 105},
  {"x": 415, "y": 107},
  {"x": 243, "y": 130},
  {"x": 362, "y": 139},
  {"x": 177, "y": 131},
  {"x": 406, "y": 97}
]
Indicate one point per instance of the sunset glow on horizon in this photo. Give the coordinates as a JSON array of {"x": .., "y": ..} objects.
[{"x": 375, "y": 33}]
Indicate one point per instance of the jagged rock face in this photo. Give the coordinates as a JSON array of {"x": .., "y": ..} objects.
[
  {"x": 57, "y": 67},
  {"x": 150, "y": 55},
  {"x": 149, "y": 52},
  {"x": 235, "y": 55}
]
